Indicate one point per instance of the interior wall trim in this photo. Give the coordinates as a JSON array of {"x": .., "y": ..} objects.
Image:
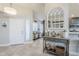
[
  {"x": 9, "y": 44},
  {"x": 1, "y": 45}
]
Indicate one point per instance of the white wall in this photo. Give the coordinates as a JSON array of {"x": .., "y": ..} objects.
[
  {"x": 16, "y": 30},
  {"x": 74, "y": 9},
  {"x": 25, "y": 11},
  {"x": 4, "y": 31},
  {"x": 27, "y": 17},
  {"x": 29, "y": 28}
]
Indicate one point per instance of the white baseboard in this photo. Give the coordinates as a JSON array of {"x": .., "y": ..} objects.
[
  {"x": 28, "y": 42},
  {"x": 1, "y": 45},
  {"x": 16, "y": 44},
  {"x": 9, "y": 44}
]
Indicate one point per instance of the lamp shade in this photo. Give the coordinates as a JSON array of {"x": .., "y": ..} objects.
[{"x": 10, "y": 10}]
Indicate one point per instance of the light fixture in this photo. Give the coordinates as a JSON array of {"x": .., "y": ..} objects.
[
  {"x": 10, "y": 10},
  {"x": 72, "y": 15}
]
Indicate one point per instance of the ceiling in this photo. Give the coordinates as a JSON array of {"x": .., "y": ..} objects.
[{"x": 25, "y": 5}]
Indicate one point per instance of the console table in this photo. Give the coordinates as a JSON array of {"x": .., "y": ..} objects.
[{"x": 56, "y": 46}]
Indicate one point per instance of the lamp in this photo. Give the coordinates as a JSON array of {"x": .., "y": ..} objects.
[{"x": 10, "y": 10}]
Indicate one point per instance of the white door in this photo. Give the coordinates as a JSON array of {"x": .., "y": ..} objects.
[{"x": 17, "y": 31}]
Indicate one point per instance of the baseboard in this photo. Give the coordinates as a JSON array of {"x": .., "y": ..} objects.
[
  {"x": 28, "y": 42},
  {"x": 16, "y": 44},
  {"x": 1, "y": 45},
  {"x": 9, "y": 44}
]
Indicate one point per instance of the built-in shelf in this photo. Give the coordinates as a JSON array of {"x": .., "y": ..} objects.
[
  {"x": 57, "y": 21},
  {"x": 75, "y": 18},
  {"x": 74, "y": 28},
  {"x": 73, "y": 32}
]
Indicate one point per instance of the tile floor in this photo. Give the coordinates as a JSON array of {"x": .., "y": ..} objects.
[{"x": 30, "y": 49}]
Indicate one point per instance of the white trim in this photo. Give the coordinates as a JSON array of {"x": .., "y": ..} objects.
[
  {"x": 28, "y": 42},
  {"x": 4, "y": 45},
  {"x": 16, "y": 43},
  {"x": 9, "y": 44}
]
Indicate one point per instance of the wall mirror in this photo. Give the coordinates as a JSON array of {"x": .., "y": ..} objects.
[{"x": 55, "y": 18}]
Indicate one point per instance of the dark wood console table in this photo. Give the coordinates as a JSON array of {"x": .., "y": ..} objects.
[{"x": 56, "y": 46}]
